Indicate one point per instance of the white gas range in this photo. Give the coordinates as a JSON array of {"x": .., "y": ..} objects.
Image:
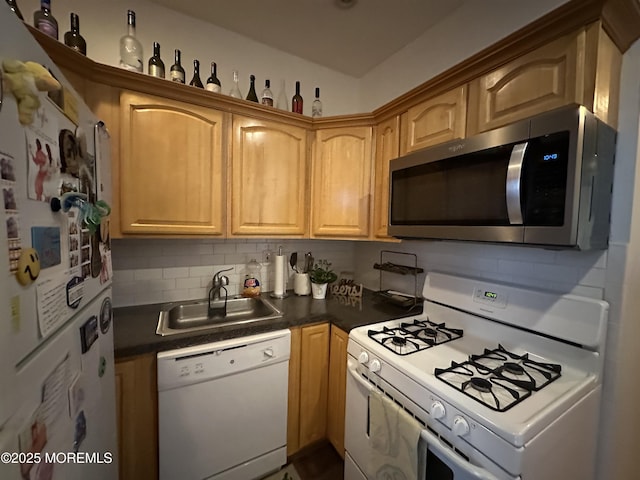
[{"x": 504, "y": 379}]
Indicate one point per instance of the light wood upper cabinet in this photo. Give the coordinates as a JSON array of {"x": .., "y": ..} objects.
[
  {"x": 434, "y": 121},
  {"x": 341, "y": 182},
  {"x": 387, "y": 148},
  {"x": 560, "y": 73},
  {"x": 170, "y": 167},
  {"x": 314, "y": 377},
  {"x": 268, "y": 178},
  {"x": 337, "y": 388}
]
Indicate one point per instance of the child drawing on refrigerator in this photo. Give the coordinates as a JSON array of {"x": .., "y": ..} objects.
[{"x": 40, "y": 159}]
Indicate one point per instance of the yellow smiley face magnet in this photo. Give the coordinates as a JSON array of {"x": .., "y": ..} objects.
[{"x": 28, "y": 266}]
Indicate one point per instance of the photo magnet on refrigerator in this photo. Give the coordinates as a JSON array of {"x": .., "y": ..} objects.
[
  {"x": 46, "y": 240},
  {"x": 89, "y": 333}
]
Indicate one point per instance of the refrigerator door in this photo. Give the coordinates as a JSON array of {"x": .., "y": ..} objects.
[
  {"x": 67, "y": 392},
  {"x": 41, "y": 160}
]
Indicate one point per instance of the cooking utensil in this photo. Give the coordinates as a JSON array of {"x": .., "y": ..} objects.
[
  {"x": 293, "y": 261},
  {"x": 308, "y": 262}
]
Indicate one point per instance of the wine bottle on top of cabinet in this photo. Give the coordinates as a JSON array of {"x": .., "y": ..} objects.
[
  {"x": 73, "y": 38},
  {"x": 296, "y": 101},
  {"x": 14, "y": 8},
  {"x": 282, "y": 102},
  {"x": 176, "y": 74},
  {"x": 266, "y": 97},
  {"x": 44, "y": 20},
  {"x": 195, "y": 81},
  {"x": 235, "y": 89},
  {"x": 252, "y": 96},
  {"x": 213, "y": 83},
  {"x": 130, "y": 47},
  {"x": 156, "y": 65},
  {"x": 316, "y": 106}
]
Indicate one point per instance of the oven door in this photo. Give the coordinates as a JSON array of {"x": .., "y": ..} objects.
[{"x": 437, "y": 461}]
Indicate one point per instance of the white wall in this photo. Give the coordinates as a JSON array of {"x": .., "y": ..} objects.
[
  {"x": 469, "y": 29},
  {"x": 102, "y": 23},
  {"x": 154, "y": 271}
]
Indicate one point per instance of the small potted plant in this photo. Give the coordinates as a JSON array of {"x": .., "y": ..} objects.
[{"x": 321, "y": 275}]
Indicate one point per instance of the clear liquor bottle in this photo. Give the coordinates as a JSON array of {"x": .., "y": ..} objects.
[
  {"x": 176, "y": 74},
  {"x": 44, "y": 20},
  {"x": 73, "y": 38},
  {"x": 235, "y": 90},
  {"x": 316, "y": 106},
  {"x": 131, "y": 52},
  {"x": 156, "y": 65},
  {"x": 266, "y": 97},
  {"x": 213, "y": 83}
]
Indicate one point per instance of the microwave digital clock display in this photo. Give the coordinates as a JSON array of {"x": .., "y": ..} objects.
[{"x": 491, "y": 295}]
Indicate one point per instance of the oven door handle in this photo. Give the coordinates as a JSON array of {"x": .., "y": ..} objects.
[
  {"x": 514, "y": 177},
  {"x": 429, "y": 440},
  {"x": 356, "y": 376}
]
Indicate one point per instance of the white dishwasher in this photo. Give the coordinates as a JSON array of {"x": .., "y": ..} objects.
[{"x": 222, "y": 408}]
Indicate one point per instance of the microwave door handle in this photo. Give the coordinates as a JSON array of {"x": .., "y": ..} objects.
[{"x": 514, "y": 176}]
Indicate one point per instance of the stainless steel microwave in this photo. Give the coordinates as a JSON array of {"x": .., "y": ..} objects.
[{"x": 546, "y": 180}]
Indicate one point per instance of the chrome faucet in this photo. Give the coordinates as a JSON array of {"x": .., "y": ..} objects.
[{"x": 218, "y": 283}]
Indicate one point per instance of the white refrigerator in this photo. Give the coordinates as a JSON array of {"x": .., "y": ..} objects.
[{"x": 57, "y": 384}]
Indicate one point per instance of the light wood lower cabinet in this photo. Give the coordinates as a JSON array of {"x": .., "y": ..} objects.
[
  {"x": 170, "y": 167},
  {"x": 341, "y": 182},
  {"x": 308, "y": 386},
  {"x": 337, "y": 388},
  {"x": 137, "y": 414},
  {"x": 268, "y": 178},
  {"x": 437, "y": 120}
]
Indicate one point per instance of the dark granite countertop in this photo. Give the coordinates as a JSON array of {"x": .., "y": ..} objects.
[{"x": 135, "y": 327}]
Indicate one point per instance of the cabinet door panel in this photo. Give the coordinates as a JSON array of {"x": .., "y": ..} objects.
[
  {"x": 436, "y": 120},
  {"x": 314, "y": 367},
  {"x": 269, "y": 176},
  {"x": 342, "y": 182},
  {"x": 547, "y": 78},
  {"x": 171, "y": 167},
  {"x": 387, "y": 148},
  {"x": 337, "y": 388}
]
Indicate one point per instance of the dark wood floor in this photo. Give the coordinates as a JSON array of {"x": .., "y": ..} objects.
[{"x": 320, "y": 462}]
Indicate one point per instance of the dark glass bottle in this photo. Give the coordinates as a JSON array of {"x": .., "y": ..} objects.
[
  {"x": 44, "y": 20},
  {"x": 296, "y": 101},
  {"x": 156, "y": 65},
  {"x": 213, "y": 84},
  {"x": 252, "y": 96},
  {"x": 14, "y": 8},
  {"x": 176, "y": 74},
  {"x": 195, "y": 81},
  {"x": 73, "y": 38}
]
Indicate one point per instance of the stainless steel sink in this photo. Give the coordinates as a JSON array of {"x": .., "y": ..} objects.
[{"x": 192, "y": 316}]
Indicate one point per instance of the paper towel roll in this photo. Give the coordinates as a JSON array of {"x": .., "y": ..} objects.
[{"x": 278, "y": 285}]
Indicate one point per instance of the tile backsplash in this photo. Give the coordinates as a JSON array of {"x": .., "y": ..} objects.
[{"x": 166, "y": 270}]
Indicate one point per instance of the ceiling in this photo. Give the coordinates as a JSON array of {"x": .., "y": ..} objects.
[{"x": 350, "y": 40}]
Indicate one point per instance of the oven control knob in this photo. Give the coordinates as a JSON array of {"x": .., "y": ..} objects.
[
  {"x": 363, "y": 358},
  {"x": 437, "y": 410},
  {"x": 375, "y": 365},
  {"x": 460, "y": 426}
]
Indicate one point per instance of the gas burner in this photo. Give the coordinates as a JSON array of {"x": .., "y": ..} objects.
[
  {"x": 480, "y": 384},
  {"x": 413, "y": 337},
  {"x": 499, "y": 379}
]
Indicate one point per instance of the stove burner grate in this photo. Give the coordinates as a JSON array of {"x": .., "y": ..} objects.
[
  {"x": 499, "y": 379},
  {"x": 413, "y": 337}
]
